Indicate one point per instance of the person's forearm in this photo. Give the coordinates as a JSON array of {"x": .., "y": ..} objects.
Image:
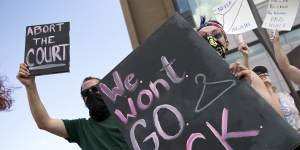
[
  {"x": 259, "y": 86},
  {"x": 281, "y": 57},
  {"x": 37, "y": 108},
  {"x": 292, "y": 72},
  {"x": 246, "y": 60}
]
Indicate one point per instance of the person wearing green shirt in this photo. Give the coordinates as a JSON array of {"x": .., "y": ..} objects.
[{"x": 99, "y": 132}]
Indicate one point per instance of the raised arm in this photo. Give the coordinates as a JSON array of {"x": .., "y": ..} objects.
[
  {"x": 38, "y": 111},
  {"x": 256, "y": 83},
  {"x": 292, "y": 72},
  {"x": 244, "y": 49}
]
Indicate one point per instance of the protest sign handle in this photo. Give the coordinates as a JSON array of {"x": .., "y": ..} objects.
[
  {"x": 243, "y": 48},
  {"x": 272, "y": 33},
  {"x": 240, "y": 38}
]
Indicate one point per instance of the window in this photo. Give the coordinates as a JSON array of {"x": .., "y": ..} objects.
[{"x": 197, "y": 8}]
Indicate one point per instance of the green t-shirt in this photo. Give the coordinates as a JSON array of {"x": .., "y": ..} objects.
[{"x": 92, "y": 135}]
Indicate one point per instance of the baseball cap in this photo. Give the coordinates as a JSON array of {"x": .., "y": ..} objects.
[{"x": 260, "y": 70}]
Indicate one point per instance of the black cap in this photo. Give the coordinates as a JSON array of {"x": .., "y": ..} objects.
[{"x": 260, "y": 69}]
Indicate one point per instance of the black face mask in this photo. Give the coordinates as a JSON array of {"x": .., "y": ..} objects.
[
  {"x": 97, "y": 108},
  {"x": 221, "y": 50}
]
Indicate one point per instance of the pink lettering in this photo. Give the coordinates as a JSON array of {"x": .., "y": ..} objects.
[
  {"x": 192, "y": 138},
  {"x": 225, "y": 135},
  {"x": 140, "y": 104},
  {"x": 153, "y": 86},
  {"x": 116, "y": 91},
  {"x": 132, "y": 114},
  {"x": 127, "y": 83}
]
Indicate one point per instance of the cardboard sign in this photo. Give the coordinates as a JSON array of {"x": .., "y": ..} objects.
[
  {"x": 281, "y": 14},
  {"x": 47, "y": 48},
  {"x": 175, "y": 92},
  {"x": 235, "y": 16}
]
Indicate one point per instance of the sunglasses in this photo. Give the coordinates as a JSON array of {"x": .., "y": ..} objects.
[
  {"x": 217, "y": 34},
  {"x": 93, "y": 89}
]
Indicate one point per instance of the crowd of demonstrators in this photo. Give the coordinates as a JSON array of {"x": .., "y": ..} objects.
[
  {"x": 281, "y": 101},
  {"x": 213, "y": 32},
  {"x": 292, "y": 72},
  {"x": 5, "y": 96},
  {"x": 100, "y": 131}
]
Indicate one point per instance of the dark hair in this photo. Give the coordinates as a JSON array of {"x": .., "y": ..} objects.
[
  {"x": 86, "y": 79},
  {"x": 5, "y": 96},
  {"x": 260, "y": 69},
  {"x": 89, "y": 78},
  {"x": 204, "y": 22}
]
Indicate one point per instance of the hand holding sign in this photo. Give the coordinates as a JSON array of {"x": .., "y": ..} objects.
[
  {"x": 47, "y": 48},
  {"x": 275, "y": 38},
  {"x": 23, "y": 76}
]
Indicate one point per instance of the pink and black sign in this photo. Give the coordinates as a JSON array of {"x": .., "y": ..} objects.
[{"x": 175, "y": 92}]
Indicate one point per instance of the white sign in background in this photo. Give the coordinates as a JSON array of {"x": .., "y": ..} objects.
[
  {"x": 281, "y": 14},
  {"x": 235, "y": 16}
]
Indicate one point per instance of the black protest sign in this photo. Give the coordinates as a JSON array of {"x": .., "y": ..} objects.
[
  {"x": 175, "y": 92},
  {"x": 47, "y": 48}
]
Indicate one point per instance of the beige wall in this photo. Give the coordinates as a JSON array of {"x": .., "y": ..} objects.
[{"x": 143, "y": 17}]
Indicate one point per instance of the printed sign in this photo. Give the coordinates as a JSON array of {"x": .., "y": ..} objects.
[
  {"x": 235, "y": 16},
  {"x": 281, "y": 14}
]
